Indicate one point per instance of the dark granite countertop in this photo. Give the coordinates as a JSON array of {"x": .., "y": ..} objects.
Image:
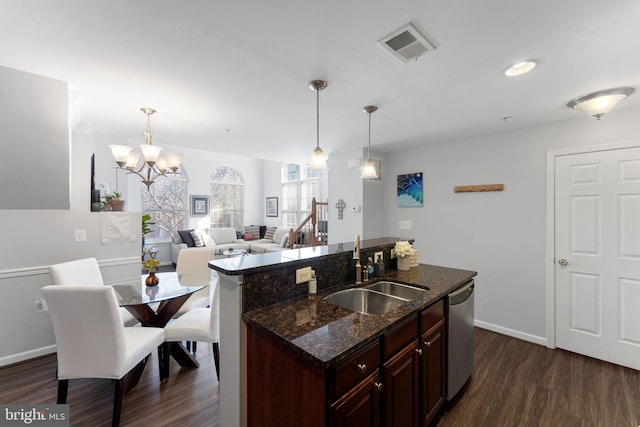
[
  {"x": 251, "y": 263},
  {"x": 326, "y": 333}
]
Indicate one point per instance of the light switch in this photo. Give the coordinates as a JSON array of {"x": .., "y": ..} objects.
[
  {"x": 81, "y": 235},
  {"x": 405, "y": 225}
]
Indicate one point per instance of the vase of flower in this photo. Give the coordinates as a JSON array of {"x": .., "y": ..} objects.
[
  {"x": 404, "y": 250},
  {"x": 152, "y": 279},
  {"x": 404, "y": 263}
]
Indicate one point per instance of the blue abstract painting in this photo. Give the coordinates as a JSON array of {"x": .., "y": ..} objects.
[{"x": 410, "y": 190}]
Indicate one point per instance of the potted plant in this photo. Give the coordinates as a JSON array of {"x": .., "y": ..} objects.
[
  {"x": 146, "y": 223},
  {"x": 117, "y": 204}
]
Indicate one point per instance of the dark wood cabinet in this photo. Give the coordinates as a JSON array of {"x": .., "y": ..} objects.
[
  {"x": 401, "y": 382},
  {"x": 360, "y": 406},
  {"x": 432, "y": 367},
  {"x": 395, "y": 380}
]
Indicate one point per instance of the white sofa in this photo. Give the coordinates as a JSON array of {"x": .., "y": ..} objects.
[
  {"x": 220, "y": 239},
  {"x": 279, "y": 242}
]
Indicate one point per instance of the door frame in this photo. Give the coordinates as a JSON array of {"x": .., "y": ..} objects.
[{"x": 551, "y": 225}]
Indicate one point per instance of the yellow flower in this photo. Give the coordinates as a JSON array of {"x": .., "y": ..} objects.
[{"x": 150, "y": 264}]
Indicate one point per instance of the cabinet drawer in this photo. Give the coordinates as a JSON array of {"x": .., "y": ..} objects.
[
  {"x": 431, "y": 315},
  {"x": 400, "y": 335},
  {"x": 353, "y": 369}
]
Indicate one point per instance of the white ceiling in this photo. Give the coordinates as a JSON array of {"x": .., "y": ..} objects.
[{"x": 208, "y": 66}]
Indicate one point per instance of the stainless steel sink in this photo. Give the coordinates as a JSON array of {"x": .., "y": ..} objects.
[
  {"x": 365, "y": 301},
  {"x": 406, "y": 292}
]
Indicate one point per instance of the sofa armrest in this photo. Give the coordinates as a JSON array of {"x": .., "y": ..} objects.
[{"x": 175, "y": 249}]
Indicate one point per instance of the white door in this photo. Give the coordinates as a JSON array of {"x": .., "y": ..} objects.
[{"x": 597, "y": 254}]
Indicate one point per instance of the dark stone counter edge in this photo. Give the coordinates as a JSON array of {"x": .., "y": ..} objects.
[
  {"x": 258, "y": 263},
  {"x": 325, "y": 364}
]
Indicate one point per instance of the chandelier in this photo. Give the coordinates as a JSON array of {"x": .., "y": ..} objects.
[{"x": 154, "y": 165}]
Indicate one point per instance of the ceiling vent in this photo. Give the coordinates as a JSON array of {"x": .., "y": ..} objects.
[{"x": 406, "y": 44}]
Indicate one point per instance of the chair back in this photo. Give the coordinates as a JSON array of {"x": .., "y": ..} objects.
[
  {"x": 194, "y": 260},
  {"x": 79, "y": 272},
  {"x": 214, "y": 324},
  {"x": 89, "y": 333}
]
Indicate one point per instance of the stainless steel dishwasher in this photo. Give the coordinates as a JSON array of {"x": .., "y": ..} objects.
[{"x": 460, "y": 344}]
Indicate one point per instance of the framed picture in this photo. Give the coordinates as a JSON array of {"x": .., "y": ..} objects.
[
  {"x": 272, "y": 206},
  {"x": 199, "y": 205},
  {"x": 410, "y": 190}
]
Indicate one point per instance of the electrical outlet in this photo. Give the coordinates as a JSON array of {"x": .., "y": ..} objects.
[
  {"x": 303, "y": 275},
  {"x": 378, "y": 254},
  {"x": 40, "y": 306}
]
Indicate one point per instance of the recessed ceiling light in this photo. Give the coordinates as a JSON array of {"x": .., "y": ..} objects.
[{"x": 520, "y": 68}]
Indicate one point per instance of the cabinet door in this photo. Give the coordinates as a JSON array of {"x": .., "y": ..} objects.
[
  {"x": 432, "y": 372},
  {"x": 359, "y": 407},
  {"x": 401, "y": 386}
]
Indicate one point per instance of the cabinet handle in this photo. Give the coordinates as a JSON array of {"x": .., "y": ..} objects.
[
  {"x": 427, "y": 343},
  {"x": 362, "y": 367},
  {"x": 378, "y": 386},
  {"x": 419, "y": 351}
]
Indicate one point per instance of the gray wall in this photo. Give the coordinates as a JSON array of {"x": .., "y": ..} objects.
[
  {"x": 34, "y": 131},
  {"x": 502, "y": 235}
]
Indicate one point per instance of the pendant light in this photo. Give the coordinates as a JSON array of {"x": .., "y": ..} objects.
[
  {"x": 318, "y": 162},
  {"x": 369, "y": 170}
]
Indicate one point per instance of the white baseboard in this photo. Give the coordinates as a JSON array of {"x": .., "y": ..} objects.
[
  {"x": 26, "y": 355},
  {"x": 511, "y": 332}
]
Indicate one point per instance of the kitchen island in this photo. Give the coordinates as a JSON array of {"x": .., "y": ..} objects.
[{"x": 262, "y": 306}]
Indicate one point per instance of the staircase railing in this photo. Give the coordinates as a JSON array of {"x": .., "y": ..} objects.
[{"x": 313, "y": 230}]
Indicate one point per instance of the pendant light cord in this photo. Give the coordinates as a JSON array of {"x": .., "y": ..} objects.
[
  {"x": 317, "y": 118},
  {"x": 369, "y": 148}
]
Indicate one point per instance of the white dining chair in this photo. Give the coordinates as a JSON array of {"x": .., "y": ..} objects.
[
  {"x": 92, "y": 342},
  {"x": 195, "y": 260},
  {"x": 199, "y": 324},
  {"x": 84, "y": 271}
]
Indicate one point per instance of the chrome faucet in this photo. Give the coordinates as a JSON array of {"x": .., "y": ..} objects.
[{"x": 356, "y": 256}]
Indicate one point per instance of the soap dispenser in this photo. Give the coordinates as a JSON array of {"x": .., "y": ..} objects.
[
  {"x": 370, "y": 268},
  {"x": 379, "y": 267}
]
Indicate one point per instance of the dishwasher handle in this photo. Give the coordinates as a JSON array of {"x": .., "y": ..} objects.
[{"x": 462, "y": 294}]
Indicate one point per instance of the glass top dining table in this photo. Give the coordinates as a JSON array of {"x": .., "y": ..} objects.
[
  {"x": 154, "y": 306},
  {"x": 172, "y": 285}
]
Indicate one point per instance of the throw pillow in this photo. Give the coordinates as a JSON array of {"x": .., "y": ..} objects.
[
  {"x": 239, "y": 234},
  {"x": 253, "y": 229},
  {"x": 284, "y": 241},
  {"x": 175, "y": 237},
  {"x": 269, "y": 233},
  {"x": 198, "y": 241},
  {"x": 185, "y": 235},
  {"x": 248, "y": 236},
  {"x": 208, "y": 240}
]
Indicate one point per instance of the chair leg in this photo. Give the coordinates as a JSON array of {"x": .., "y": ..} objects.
[
  {"x": 216, "y": 358},
  {"x": 117, "y": 401},
  {"x": 188, "y": 346},
  {"x": 161, "y": 349},
  {"x": 193, "y": 346},
  {"x": 166, "y": 351},
  {"x": 63, "y": 386}
]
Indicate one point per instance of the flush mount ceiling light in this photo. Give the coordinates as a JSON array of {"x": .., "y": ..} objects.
[
  {"x": 369, "y": 169},
  {"x": 154, "y": 165},
  {"x": 318, "y": 162},
  {"x": 599, "y": 103},
  {"x": 520, "y": 68}
]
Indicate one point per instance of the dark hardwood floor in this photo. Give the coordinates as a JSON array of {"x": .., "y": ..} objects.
[{"x": 514, "y": 383}]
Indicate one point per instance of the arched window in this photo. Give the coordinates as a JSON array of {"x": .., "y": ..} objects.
[
  {"x": 227, "y": 198},
  {"x": 166, "y": 202}
]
